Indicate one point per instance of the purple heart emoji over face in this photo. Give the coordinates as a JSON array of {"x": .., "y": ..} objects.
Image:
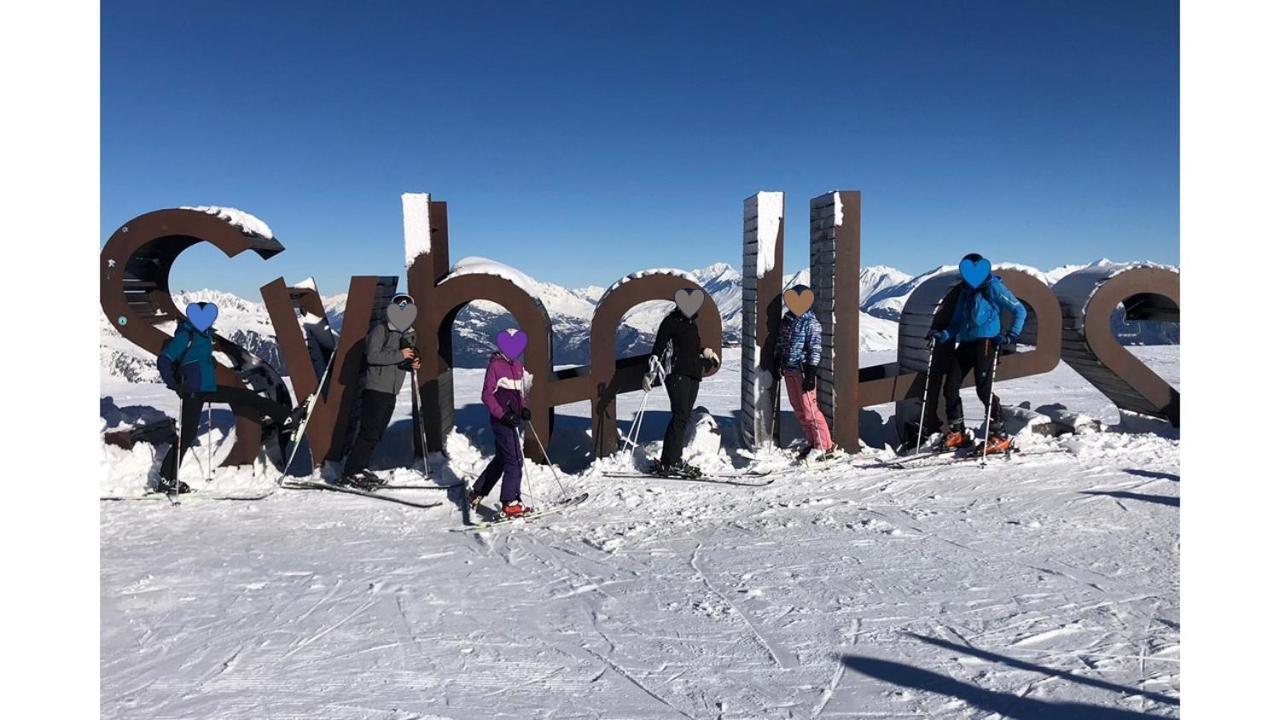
[
  {"x": 202, "y": 315},
  {"x": 975, "y": 272},
  {"x": 512, "y": 342}
]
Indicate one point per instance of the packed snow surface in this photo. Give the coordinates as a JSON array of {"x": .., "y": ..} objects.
[
  {"x": 1041, "y": 586},
  {"x": 241, "y": 219}
]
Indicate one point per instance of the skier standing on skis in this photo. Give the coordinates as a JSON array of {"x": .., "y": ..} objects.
[
  {"x": 795, "y": 356},
  {"x": 186, "y": 366},
  {"x": 506, "y": 385},
  {"x": 678, "y": 350},
  {"x": 970, "y": 342},
  {"x": 389, "y": 355}
]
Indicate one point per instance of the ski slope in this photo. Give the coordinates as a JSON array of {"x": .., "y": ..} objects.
[{"x": 1045, "y": 586}]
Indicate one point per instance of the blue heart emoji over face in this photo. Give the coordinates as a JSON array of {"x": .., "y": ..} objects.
[
  {"x": 202, "y": 315},
  {"x": 975, "y": 272}
]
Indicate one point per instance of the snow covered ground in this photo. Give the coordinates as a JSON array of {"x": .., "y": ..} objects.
[{"x": 1045, "y": 586}]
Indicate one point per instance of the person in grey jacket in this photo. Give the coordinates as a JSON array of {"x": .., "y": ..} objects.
[{"x": 389, "y": 353}]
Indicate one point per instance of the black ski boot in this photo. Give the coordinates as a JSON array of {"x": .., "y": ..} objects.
[
  {"x": 362, "y": 480},
  {"x": 682, "y": 470},
  {"x": 172, "y": 487}
]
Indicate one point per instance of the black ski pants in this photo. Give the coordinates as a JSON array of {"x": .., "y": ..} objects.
[
  {"x": 978, "y": 356},
  {"x": 683, "y": 392},
  {"x": 375, "y": 414},
  {"x": 193, "y": 404}
]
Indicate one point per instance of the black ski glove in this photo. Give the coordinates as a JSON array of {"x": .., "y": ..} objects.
[
  {"x": 525, "y": 414},
  {"x": 510, "y": 419},
  {"x": 810, "y": 378}
]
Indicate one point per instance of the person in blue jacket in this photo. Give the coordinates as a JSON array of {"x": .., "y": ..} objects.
[
  {"x": 186, "y": 366},
  {"x": 970, "y": 342}
]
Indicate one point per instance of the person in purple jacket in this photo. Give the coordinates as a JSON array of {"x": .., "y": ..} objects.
[{"x": 506, "y": 384}]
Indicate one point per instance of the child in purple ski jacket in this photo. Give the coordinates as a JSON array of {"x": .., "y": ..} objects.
[{"x": 506, "y": 384}]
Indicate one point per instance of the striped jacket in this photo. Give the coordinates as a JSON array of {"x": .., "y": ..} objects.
[{"x": 799, "y": 341}]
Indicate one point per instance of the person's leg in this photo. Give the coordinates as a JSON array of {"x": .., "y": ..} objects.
[
  {"x": 190, "y": 413},
  {"x": 951, "y": 389},
  {"x": 489, "y": 477},
  {"x": 794, "y": 396},
  {"x": 508, "y": 447},
  {"x": 986, "y": 356},
  {"x": 943, "y": 354},
  {"x": 819, "y": 434},
  {"x": 682, "y": 391},
  {"x": 375, "y": 412}
]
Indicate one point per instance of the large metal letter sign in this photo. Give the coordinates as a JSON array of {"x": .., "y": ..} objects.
[
  {"x": 1089, "y": 346},
  {"x": 762, "y": 237},
  {"x": 835, "y": 237},
  {"x": 1072, "y": 322},
  {"x": 135, "y": 296}
]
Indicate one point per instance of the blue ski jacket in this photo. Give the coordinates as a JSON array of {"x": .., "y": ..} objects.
[
  {"x": 186, "y": 361},
  {"x": 977, "y": 312},
  {"x": 799, "y": 341}
]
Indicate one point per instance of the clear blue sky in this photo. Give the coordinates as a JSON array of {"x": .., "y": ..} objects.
[{"x": 582, "y": 141}]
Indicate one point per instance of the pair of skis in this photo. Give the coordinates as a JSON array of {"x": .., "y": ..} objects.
[
  {"x": 178, "y": 499},
  {"x": 495, "y": 519},
  {"x": 757, "y": 479},
  {"x": 376, "y": 493}
]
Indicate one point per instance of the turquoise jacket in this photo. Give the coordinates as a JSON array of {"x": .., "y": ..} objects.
[{"x": 186, "y": 362}]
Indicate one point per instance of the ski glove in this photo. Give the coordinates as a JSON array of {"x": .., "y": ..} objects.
[
  {"x": 525, "y": 414},
  {"x": 647, "y": 382},
  {"x": 938, "y": 336},
  {"x": 810, "y": 380},
  {"x": 709, "y": 358},
  {"x": 510, "y": 419},
  {"x": 1007, "y": 340}
]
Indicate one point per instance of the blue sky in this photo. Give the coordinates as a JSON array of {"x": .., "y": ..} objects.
[{"x": 582, "y": 141}]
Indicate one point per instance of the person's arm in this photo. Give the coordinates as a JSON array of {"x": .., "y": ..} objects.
[
  {"x": 374, "y": 353},
  {"x": 486, "y": 394},
  {"x": 169, "y": 354},
  {"x": 953, "y": 327},
  {"x": 778, "y": 351},
  {"x": 1006, "y": 299},
  {"x": 664, "y": 337},
  {"x": 813, "y": 344}
]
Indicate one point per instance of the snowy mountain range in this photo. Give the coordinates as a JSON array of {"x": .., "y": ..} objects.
[{"x": 884, "y": 290}]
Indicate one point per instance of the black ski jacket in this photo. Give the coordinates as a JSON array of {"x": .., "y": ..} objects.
[{"x": 681, "y": 333}]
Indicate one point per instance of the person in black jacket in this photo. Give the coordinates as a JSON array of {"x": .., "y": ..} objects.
[{"x": 678, "y": 357}]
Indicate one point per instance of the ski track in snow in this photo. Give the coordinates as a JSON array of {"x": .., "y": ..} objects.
[{"x": 834, "y": 592}]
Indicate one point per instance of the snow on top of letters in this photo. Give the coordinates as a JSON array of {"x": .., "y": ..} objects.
[
  {"x": 652, "y": 271},
  {"x": 768, "y": 220},
  {"x": 241, "y": 219},
  {"x": 476, "y": 265},
  {"x": 417, "y": 225}
]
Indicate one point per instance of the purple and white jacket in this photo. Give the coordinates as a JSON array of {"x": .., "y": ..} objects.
[{"x": 506, "y": 383}]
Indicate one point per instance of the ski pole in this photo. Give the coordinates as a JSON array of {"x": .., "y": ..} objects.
[
  {"x": 422, "y": 427},
  {"x": 991, "y": 393},
  {"x": 208, "y": 452},
  {"x": 635, "y": 422},
  {"x": 177, "y": 458},
  {"x": 299, "y": 433},
  {"x": 564, "y": 495},
  {"x": 924, "y": 399}
]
